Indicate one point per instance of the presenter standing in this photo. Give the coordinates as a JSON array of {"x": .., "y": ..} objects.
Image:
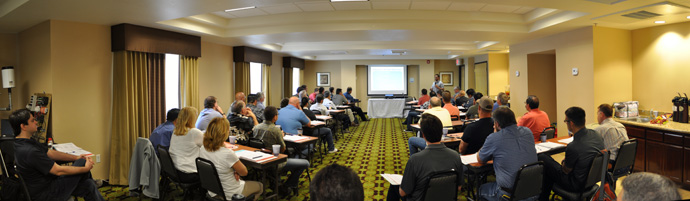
[{"x": 437, "y": 86}]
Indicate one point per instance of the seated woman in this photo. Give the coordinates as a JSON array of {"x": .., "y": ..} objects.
[
  {"x": 185, "y": 143},
  {"x": 228, "y": 165}
]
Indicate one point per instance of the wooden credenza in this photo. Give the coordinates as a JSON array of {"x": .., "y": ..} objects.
[{"x": 662, "y": 152}]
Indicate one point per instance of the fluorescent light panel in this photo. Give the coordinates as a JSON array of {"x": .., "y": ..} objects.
[
  {"x": 243, "y": 8},
  {"x": 659, "y": 22}
]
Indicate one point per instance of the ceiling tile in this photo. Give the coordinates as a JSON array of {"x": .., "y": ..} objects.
[
  {"x": 248, "y": 13},
  {"x": 224, "y": 14},
  {"x": 284, "y": 8},
  {"x": 315, "y": 6},
  {"x": 432, "y": 5},
  {"x": 458, "y": 6},
  {"x": 365, "y": 5},
  {"x": 523, "y": 10},
  {"x": 391, "y": 5},
  {"x": 499, "y": 8}
]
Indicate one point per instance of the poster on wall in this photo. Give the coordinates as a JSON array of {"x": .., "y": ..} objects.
[
  {"x": 447, "y": 78},
  {"x": 323, "y": 79}
]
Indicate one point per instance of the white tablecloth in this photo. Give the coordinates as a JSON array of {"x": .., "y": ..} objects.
[{"x": 385, "y": 108}]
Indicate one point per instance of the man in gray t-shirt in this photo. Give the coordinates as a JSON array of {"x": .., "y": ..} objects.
[{"x": 510, "y": 148}]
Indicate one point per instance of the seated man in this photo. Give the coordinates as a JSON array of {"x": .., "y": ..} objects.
[
  {"x": 270, "y": 134},
  {"x": 260, "y": 100},
  {"x": 304, "y": 104},
  {"x": 348, "y": 95},
  {"x": 340, "y": 99},
  {"x": 420, "y": 166},
  {"x": 211, "y": 110},
  {"x": 475, "y": 133},
  {"x": 284, "y": 103},
  {"x": 242, "y": 118},
  {"x": 612, "y": 132},
  {"x": 327, "y": 96},
  {"x": 471, "y": 100},
  {"x": 452, "y": 109},
  {"x": 161, "y": 135},
  {"x": 252, "y": 101},
  {"x": 312, "y": 96},
  {"x": 502, "y": 100},
  {"x": 292, "y": 119},
  {"x": 535, "y": 119},
  {"x": 510, "y": 147},
  {"x": 45, "y": 179},
  {"x": 239, "y": 96},
  {"x": 648, "y": 186},
  {"x": 460, "y": 98},
  {"x": 571, "y": 174},
  {"x": 473, "y": 111},
  {"x": 414, "y": 113},
  {"x": 318, "y": 105},
  {"x": 417, "y": 143},
  {"x": 336, "y": 183}
]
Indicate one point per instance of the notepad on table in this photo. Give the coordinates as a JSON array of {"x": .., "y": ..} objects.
[
  {"x": 394, "y": 179},
  {"x": 255, "y": 156},
  {"x": 468, "y": 159},
  {"x": 566, "y": 140},
  {"x": 70, "y": 148},
  {"x": 295, "y": 138}
]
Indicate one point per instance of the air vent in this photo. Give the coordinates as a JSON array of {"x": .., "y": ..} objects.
[
  {"x": 338, "y": 52},
  {"x": 641, "y": 15},
  {"x": 398, "y": 52}
]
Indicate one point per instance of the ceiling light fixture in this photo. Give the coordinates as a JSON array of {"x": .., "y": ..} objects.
[
  {"x": 243, "y": 8},
  {"x": 346, "y": 0},
  {"x": 659, "y": 22},
  {"x": 688, "y": 17}
]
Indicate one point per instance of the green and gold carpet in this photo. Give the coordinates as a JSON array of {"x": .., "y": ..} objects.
[{"x": 374, "y": 147}]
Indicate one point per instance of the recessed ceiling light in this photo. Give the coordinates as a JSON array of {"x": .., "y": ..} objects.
[
  {"x": 243, "y": 8},
  {"x": 688, "y": 17},
  {"x": 346, "y": 0},
  {"x": 660, "y": 22}
]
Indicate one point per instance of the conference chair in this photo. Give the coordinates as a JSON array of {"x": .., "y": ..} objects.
[
  {"x": 550, "y": 132},
  {"x": 169, "y": 174},
  {"x": 596, "y": 174},
  {"x": 208, "y": 174},
  {"x": 442, "y": 186},
  {"x": 528, "y": 181},
  {"x": 625, "y": 161},
  {"x": 25, "y": 190}
]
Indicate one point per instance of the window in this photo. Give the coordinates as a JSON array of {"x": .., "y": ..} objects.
[
  {"x": 295, "y": 79},
  {"x": 172, "y": 81},
  {"x": 255, "y": 77}
]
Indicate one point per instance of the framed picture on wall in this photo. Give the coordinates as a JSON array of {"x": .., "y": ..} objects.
[
  {"x": 447, "y": 78},
  {"x": 323, "y": 79}
]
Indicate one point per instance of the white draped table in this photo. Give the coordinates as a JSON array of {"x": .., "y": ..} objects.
[{"x": 385, "y": 108}]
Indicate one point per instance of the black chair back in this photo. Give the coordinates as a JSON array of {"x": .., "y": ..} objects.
[
  {"x": 442, "y": 185},
  {"x": 626, "y": 157},
  {"x": 316, "y": 112},
  {"x": 167, "y": 166},
  {"x": 7, "y": 151},
  {"x": 595, "y": 173},
  {"x": 208, "y": 174},
  {"x": 25, "y": 190},
  {"x": 550, "y": 132},
  {"x": 528, "y": 182}
]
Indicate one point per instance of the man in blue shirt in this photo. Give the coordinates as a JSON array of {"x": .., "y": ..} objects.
[
  {"x": 161, "y": 135},
  {"x": 210, "y": 112},
  {"x": 510, "y": 148},
  {"x": 348, "y": 95},
  {"x": 291, "y": 119}
]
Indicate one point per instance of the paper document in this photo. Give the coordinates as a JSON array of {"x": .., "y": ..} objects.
[
  {"x": 467, "y": 159},
  {"x": 317, "y": 123},
  {"x": 255, "y": 156},
  {"x": 550, "y": 145},
  {"x": 566, "y": 140},
  {"x": 394, "y": 179},
  {"x": 323, "y": 117},
  {"x": 295, "y": 138},
  {"x": 70, "y": 148}
]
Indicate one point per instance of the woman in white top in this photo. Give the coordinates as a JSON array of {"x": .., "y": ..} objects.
[
  {"x": 185, "y": 143},
  {"x": 228, "y": 165}
]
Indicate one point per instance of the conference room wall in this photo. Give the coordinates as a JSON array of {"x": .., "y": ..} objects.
[
  {"x": 498, "y": 73},
  {"x": 8, "y": 57},
  {"x": 447, "y": 66},
  {"x": 215, "y": 74},
  {"x": 573, "y": 49}
]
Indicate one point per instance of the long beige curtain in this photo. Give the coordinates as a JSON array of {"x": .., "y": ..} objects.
[
  {"x": 156, "y": 70},
  {"x": 189, "y": 82},
  {"x": 265, "y": 82},
  {"x": 130, "y": 115},
  {"x": 242, "y": 77},
  {"x": 287, "y": 82}
]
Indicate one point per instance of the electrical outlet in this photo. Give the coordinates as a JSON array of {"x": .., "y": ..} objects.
[{"x": 98, "y": 158}]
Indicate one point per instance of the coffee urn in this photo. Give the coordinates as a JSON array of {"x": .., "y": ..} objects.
[
  {"x": 676, "y": 107},
  {"x": 683, "y": 109}
]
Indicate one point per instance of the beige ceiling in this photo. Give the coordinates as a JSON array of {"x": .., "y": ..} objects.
[{"x": 375, "y": 29}]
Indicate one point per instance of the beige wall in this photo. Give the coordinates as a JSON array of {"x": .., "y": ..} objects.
[
  {"x": 343, "y": 74},
  {"x": 613, "y": 66},
  {"x": 276, "y": 82},
  {"x": 660, "y": 65},
  {"x": 413, "y": 88},
  {"x": 498, "y": 73},
  {"x": 543, "y": 85},
  {"x": 8, "y": 57},
  {"x": 573, "y": 49},
  {"x": 215, "y": 74},
  {"x": 447, "y": 66}
]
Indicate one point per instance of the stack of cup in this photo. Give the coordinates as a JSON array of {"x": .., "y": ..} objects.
[{"x": 276, "y": 149}]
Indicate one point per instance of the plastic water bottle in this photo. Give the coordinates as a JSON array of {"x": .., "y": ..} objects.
[{"x": 50, "y": 142}]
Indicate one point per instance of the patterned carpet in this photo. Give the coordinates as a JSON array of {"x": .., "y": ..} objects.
[{"x": 374, "y": 147}]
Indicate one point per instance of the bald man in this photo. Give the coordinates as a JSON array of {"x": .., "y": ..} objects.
[
  {"x": 239, "y": 96},
  {"x": 291, "y": 119}
]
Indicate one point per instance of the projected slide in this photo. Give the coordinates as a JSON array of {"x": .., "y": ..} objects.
[{"x": 387, "y": 79}]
